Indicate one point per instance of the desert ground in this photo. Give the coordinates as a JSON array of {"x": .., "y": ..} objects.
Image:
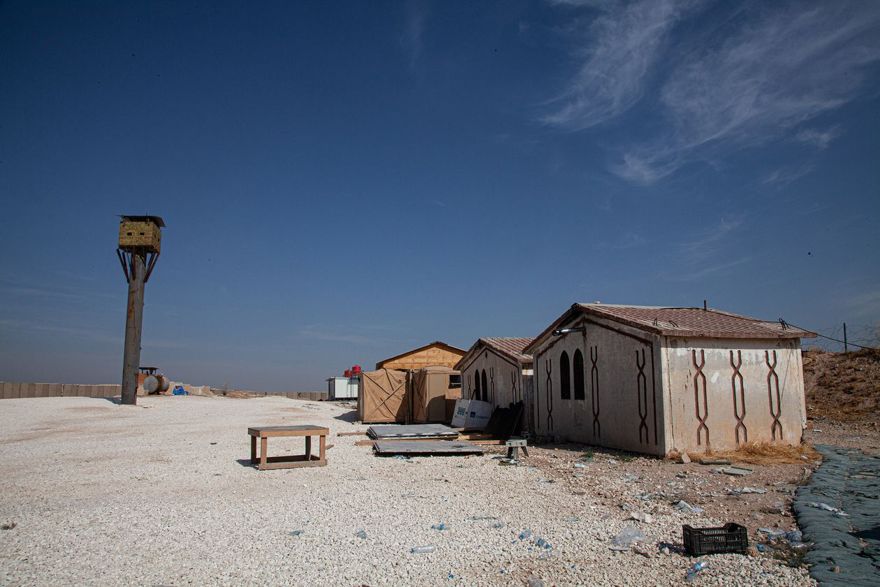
[{"x": 162, "y": 493}]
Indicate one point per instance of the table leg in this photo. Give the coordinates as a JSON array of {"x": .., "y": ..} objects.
[
  {"x": 323, "y": 442},
  {"x": 253, "y": 450},
  {"x": 263, "y": 451},
  {"x": 308, "y": 448}
]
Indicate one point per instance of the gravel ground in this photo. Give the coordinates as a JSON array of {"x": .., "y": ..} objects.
[{"x": 102, "y": 494}]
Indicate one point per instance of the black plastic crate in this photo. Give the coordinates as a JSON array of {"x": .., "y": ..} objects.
[{"x": 728, "y": 538}]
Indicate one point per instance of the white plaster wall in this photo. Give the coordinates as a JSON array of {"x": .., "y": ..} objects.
[
  {"x": 504, "y": 378},
  {"x": 619, "y": 423},
  {"x": 679, "y": 368}
]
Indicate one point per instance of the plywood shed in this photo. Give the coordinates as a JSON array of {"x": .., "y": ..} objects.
[
  {"x": 382, "y": 396},
  {"x": 432, "y": 389},
  {"x": 433, "y": 354},
  {"x": 658, "y": 379}
]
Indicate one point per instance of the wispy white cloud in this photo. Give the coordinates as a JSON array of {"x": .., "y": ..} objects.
[
  {"x": 764, "y": 74},
  {"x": 818, "y": 138},
  {"x": 624, "y": 43},
  {"x": 786, "y": 175},
  {"x": 627, "y": 240},
  {"x": 707, "y": 243},
  {"x": 414, "y": 29}
]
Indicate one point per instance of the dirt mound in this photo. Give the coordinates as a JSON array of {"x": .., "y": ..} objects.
[{"x": 842, "y": 386}]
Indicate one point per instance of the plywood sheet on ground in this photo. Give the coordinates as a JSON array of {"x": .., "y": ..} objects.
[
  {"x": 437, "y": 447},
  {"x": 412, "y": 431}
]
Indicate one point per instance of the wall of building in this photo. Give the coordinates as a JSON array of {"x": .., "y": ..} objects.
[
  {"x": 504, "y": 377},
  {"x": 622, "y": 405},
  {"x": 429, "y": 357},
  {"x": 720, "y": 392}
]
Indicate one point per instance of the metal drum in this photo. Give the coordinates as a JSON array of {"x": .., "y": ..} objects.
[{"x": 156, "y": 383}]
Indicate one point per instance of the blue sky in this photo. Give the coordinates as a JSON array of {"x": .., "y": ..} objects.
[{"x": 343, "y": 181}]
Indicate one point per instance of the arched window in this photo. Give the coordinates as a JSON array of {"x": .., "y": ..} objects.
[
  {"x": 476, "y": 391},
  {"x": 564, "y": 376},
  {"x": 485, "y": 397},
  {"x": 579, "y": 375}
]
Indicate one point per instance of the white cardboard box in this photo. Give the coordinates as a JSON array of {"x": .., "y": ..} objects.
[{"x": 471, "y": 414}]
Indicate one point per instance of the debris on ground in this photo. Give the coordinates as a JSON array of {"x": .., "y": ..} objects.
[{"x": 422, "y": 549}]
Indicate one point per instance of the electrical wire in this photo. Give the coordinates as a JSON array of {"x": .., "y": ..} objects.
[{"x": 820, "y": 335}]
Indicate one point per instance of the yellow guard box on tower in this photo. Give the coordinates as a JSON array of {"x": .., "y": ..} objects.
[{"x": 140, "y": 233}]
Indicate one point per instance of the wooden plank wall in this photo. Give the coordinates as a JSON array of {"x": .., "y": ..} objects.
[{"x": 430, "y": 357}]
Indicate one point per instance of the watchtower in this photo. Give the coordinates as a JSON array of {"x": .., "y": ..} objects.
[{"x": 140, "y": 239}]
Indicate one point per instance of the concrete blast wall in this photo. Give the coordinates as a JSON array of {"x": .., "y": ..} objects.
[{"x": 10, "y": 390}]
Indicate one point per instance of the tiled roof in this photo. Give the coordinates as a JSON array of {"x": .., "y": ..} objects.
[
  {"x": 694, "y": 322},
  {"x": 513, "y": 347},
  {"x": 509, "y": 347}
]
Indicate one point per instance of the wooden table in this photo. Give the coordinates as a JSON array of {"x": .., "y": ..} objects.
[{"x": 291, "y": 461}]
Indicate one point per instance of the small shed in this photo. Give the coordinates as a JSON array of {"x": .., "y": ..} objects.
[
  {"x": 496, "y": 370},
  {"x": 382, "y": 396},
  {"x": 433, "y": 391},
  {"x": 661, "y": 379},
  {"x": 435, "y": 354}
]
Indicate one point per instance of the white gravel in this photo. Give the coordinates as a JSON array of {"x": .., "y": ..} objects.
[{"x": 103, "y": 494}]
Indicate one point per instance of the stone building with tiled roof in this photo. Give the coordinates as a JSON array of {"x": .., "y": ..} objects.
[
  {"x": 496, "y": 370},
  {"x": 658, "y": 379}
]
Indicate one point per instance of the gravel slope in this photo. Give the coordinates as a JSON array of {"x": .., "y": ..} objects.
[{"x": 103, "y": 494}]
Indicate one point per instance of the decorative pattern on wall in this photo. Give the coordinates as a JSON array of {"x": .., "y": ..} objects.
[
  {"x": 548, "y": 367},
  {"x": 700, "y": 386},
  {"x": 594, "y": 389},
  {"x": 739, "y": 399},
  {"x": 492, "y": 384},
  {"x": 773, "y": 390},
  {"x": 513, "y": 390},
  {"x": 642, "y": 392}
]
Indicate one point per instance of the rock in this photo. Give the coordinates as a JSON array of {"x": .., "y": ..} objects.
[{"x": 684, "y": 458}]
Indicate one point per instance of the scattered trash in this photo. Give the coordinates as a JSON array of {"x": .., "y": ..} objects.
[
  {"x": 729, "y": 538},
  {"x": 692, "y": 572},
  {"x": 441, "y": 526},
  {"x": 638, "y": 549},
  {"x": 541, "y": 543},
  {"x": 496, "y": 525},
  {"x": 625, "y": 539},
  {"x": 761, "y": 548},
  {"x": 478, "y": 518},
  {"x": 179, "y": 391},
  {"x": 772, "y": 533},
  {"x": 8, "y": 526},
  {"x": 362, "y": 534},
  {"x": 668, "y": 547},
  {"x": 213, "y": 443},
  {"x": 580, "y": 466},
  {"x": 401, "y": 457},
  {"x": 535, "y": 582},
  {"x": 824, "y": 506},
  {"x": 735, "y": 471},
  {"x": 713, "y": 461},
  {"x": 685, "y": 507},
  {"x": 641, "y": 517},
  {"x": 794, "y": 536},
  {"x": 525, "y": 534},
  {"x": 742, "y": 490},
  {"x": 422, "y": 549},
  {"x": 508, "y": 462},
  {"x": 297, "y": 532},
  {"x": 572, "y": 519}
]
